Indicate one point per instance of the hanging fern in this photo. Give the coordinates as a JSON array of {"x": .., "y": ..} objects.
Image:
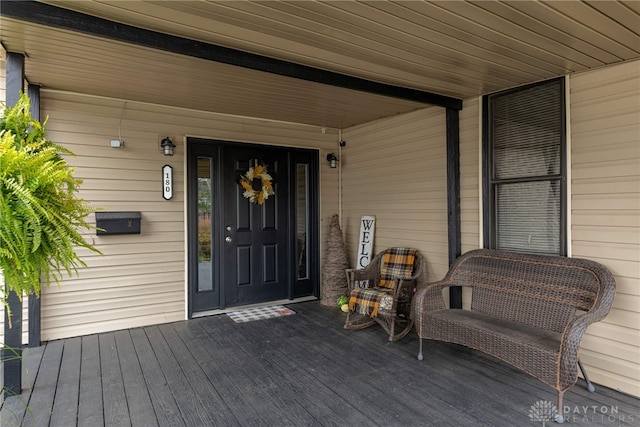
[{"x": 40, "y": 214}]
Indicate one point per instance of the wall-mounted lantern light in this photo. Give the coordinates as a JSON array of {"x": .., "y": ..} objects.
[
  {"x": 333, "y": 160},
  {"x": 167, "y": 146}
]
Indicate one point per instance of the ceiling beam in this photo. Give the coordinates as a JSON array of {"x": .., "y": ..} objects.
[{"x": 53, "y": 16}]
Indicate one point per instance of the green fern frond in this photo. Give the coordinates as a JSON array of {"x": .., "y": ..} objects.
[{"x": 40, "y": 213}]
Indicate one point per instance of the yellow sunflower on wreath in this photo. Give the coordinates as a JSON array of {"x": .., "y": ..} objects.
[{"x": 257, "y": 184}]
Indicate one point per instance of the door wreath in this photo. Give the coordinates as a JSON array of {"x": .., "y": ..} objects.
[{"x": 257, "y": 184}]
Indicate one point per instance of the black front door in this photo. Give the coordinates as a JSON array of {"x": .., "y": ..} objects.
[
  {"x": 256, "y": 235},
  {"x": 244, "y": 251}
]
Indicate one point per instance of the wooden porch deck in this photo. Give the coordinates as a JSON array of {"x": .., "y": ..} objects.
[{"x": 298, "y": 370}]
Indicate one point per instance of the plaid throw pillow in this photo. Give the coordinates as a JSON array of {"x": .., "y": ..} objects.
[{"x": 397, "y": 263}]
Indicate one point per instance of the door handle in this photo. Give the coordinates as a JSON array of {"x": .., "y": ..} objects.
[{"x": 227, "y": 239}]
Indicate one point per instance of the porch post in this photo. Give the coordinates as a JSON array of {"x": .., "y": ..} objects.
[
  {"x": 453, "y": 197},
  {"x": 12, "y": 357},
  {"x": 33, "y": 91}
]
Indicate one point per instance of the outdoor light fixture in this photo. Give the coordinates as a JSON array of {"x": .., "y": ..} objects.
[
  {"x": 332, "y": 159},
  {"x": 167, "y": 146}
]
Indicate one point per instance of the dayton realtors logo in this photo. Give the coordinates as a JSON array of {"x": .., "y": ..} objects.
[{"x": 544, "y": 411}]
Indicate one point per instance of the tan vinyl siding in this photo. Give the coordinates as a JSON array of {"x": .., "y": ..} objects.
[
  {"x": 469, "y": 174},
  {"x": 396, "y": 170},
  {"x": 140, "y": 279},
  {"x": 605, "y": 217},
  {"x": 470, "y": 130}
]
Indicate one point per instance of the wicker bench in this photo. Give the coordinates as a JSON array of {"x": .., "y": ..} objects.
[{"x": 530, "y": 311}]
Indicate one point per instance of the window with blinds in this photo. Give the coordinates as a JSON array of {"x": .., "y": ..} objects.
[{"x": 524, "y": 169}]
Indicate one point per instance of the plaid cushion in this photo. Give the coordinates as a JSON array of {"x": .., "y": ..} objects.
[
  {"x": 397, "y": 263},
  {"x": 367, "y": 300}
]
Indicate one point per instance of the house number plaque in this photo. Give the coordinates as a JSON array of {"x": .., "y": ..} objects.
[{"x": 167, "y": 182}]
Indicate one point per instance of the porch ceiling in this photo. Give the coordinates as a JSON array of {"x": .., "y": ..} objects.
[{"x": 456, "y": 49}]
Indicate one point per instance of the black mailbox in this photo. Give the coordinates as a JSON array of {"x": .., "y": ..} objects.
[{"x": 118, "y": 222}]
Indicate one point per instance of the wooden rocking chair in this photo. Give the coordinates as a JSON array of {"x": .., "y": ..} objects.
[{"x": 383, "y": 292}]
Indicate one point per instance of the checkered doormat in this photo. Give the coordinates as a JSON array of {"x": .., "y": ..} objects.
[{"x": 259, "y": 313}]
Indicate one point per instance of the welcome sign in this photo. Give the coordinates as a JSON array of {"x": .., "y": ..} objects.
[{"x": 365, "y": 245}]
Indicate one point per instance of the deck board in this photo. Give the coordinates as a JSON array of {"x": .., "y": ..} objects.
[
  {"x": 116, "y": 410},
  {"x": 244, "y": 374},
  {"x": 183, "y": 391},
  {"x": 43, "y": 394},
  {"x": 15, "y": 409},
  {"x": 165, "y": 406},
  {"x": 138, "y": 400},
  {"x": 90, "y": 405},
  {"x": 366, "y": 384},
  {"x": 269, "y": 352},
  {"x": 207, "y": 395},
  {"x": 300, "y": 384},
  {"x": 298, "y": 370},
  {"x": 238, "y": 410},
  {"x": 65, "y": 407}
]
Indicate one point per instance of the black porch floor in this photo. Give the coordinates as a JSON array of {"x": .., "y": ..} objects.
[{"x": 295, "y": 370}]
